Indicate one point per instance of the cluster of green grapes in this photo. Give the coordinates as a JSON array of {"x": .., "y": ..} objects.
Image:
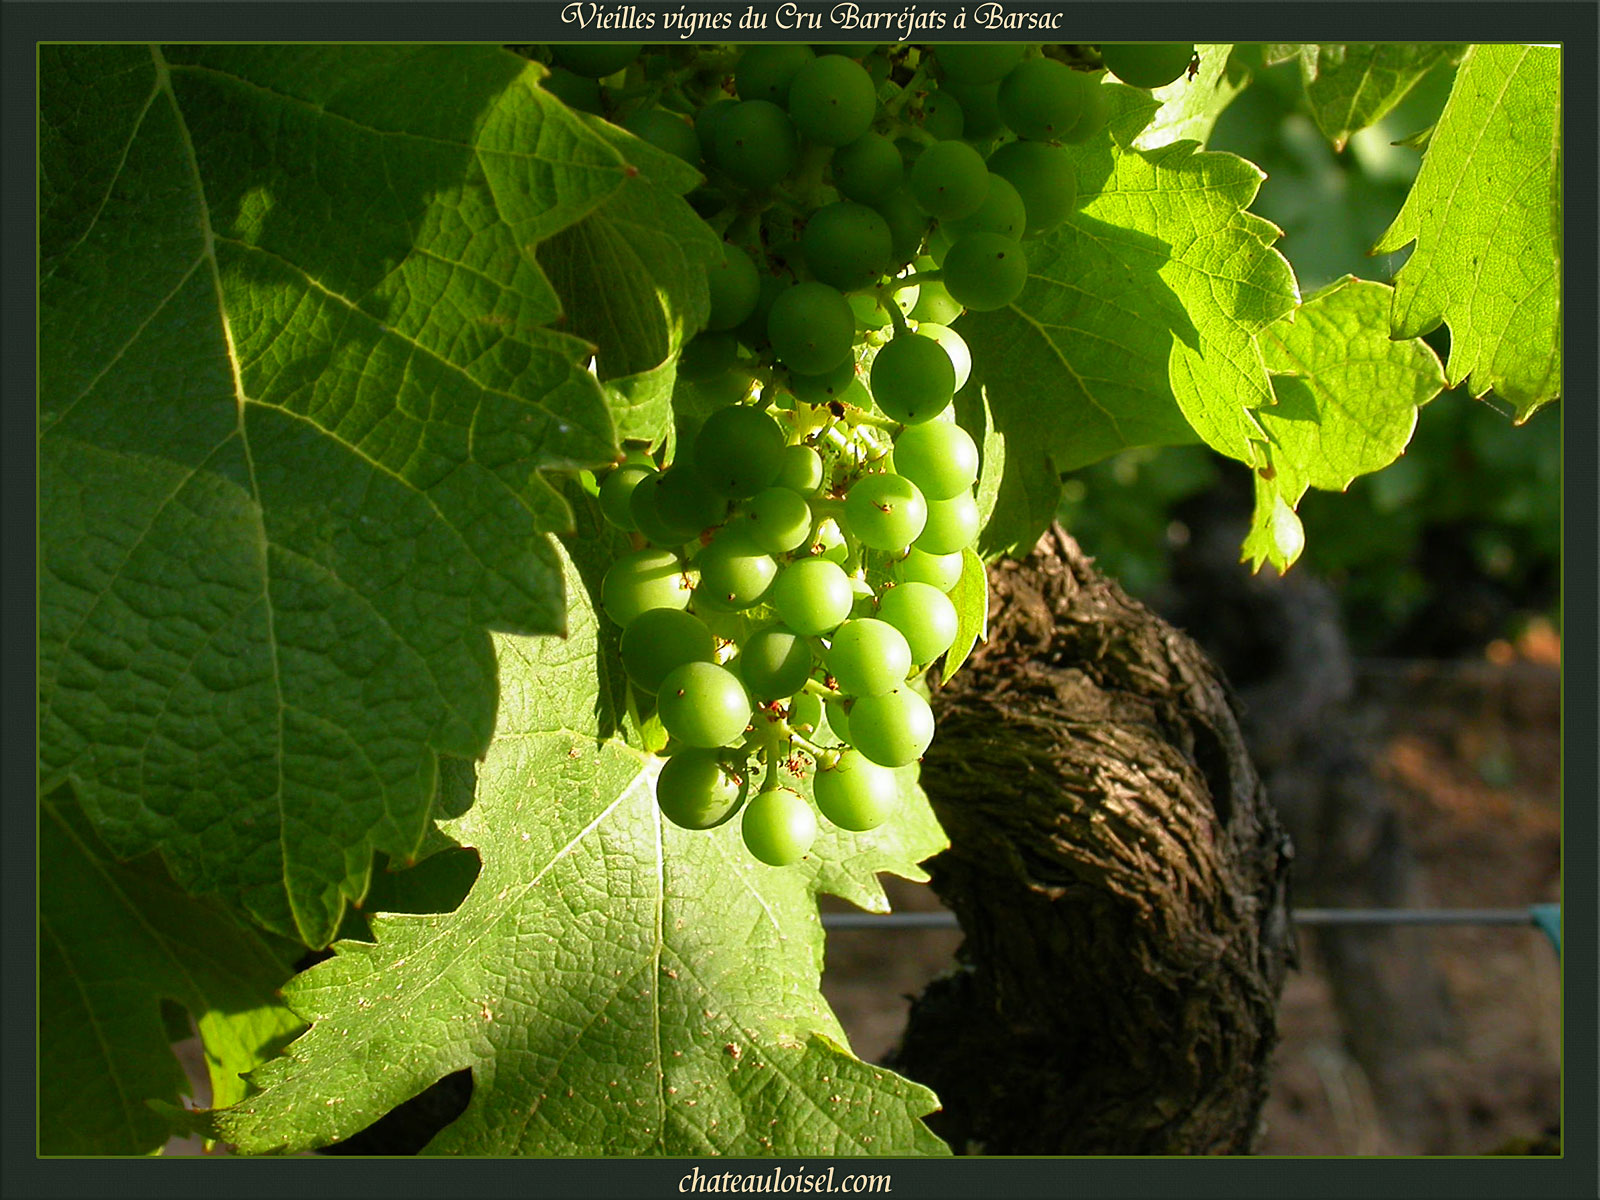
[{"x": 793, "y": 560}]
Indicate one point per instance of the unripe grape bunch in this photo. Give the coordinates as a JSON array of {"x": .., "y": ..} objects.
[{"x": 792, "y": 563}]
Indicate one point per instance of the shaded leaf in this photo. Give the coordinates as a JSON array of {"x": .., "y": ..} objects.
[
  {"x": 617, "y": 985},
  {"x": 632, "y": 279},
  {"x": 296, "y": 398},
  {"x": 116, "y": 940},
  {"x": 1485, "y": 214}
]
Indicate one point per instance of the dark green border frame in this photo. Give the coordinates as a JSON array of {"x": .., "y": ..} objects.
[{"x": 1575, "y": 1174}]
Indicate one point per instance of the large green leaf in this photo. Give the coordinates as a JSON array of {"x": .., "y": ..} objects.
[
  {"x": 1352, "y": 86},
  {"x": 296, "y": 394},
  {"x": 632, "y": 279},
  {"x": 618, "y": 986},
  {"x": 1138, "y": 325},
  {"x": 1346, "y": 405},
  {"x": 1485, "y": 214},
  {"x": 116, "y": 940}
]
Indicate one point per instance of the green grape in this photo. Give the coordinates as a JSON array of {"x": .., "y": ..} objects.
[
  {"x": 640, "y": 581},
  {"x": 738, "y": 451},
  {"x": 939, "y": 457},
  {"x": 1002, "y": 212},
  {"x": 1096, "y": 112},
  {"x": 705, "y": 127},
  {"x": 985, "y": 271},
  {"x": 666, "y": 131},
  {"x": 800, "y": 470},
  {"x": 925, "y": 617},
  {"x": 674, "y": 506},
  {"x": 811, "y": 328},
  {"x": 832, "y": 100},
  {"x": 805, "y": 711},
  {"x": 980, "y": 108},
  {"x": 752, "y": 331},
  {"x": 779, "y": 827},
  {"x": 868, "y": 657},
  {"x": 846, "y": 245},
  {"x": 695, "y": 789},
  {"x": 885, "y": 512},
  {"x": 765, "y": 72},
  {"x": 617, "y": 490},
  {"x": 575, "y": 91},
  {"x": 893, "y": 729},
  {"x": 978, "y": 62},
  {"x": 707, "y": 356},
  {"x": 778, "y": 520},
  {"x": 934, "y": 304},
  {"x": 702, "y": 704},
  {"x": 661, "y": 640},
  {"x": 735, "y": 287},
  {"x": 855, "y": 793},
  {"x": 822, "y": 389},
  {"x": 908, "y": 225},
  {"x": 1147, "y": 64},
  {"x": 838, "y": 717},
  {"x": 774, "y": 662},
  {"x": 869, "y": 169},
  {"x": 1041, "y": 98},
  {"x": 942, "y": 116},
  {"x": 812, "y": 596},
  {"x": 1043, "y": 178},
  {"x": 731, "y": 387},
  {"x": 955, "y": 346},
  {"x": 949, "y": 180},
  {"x": 644, "y": 510},
  {"x": 756, "y": 144},
  {"x": 596, "y": 60},
  {"x": 942, "y": 571},
  {"x": 734, "y": 571},
  {"x": 912, "y": 378},
  {"x": 952, "y": 525}
]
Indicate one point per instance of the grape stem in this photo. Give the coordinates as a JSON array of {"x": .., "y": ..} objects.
[
  {"x": 899, "y": 319},
  {"x": 906, "y": 281},
  {"x": 817, "y": 752},
  {"x": 918, "y": 78},
  {"x": 818, "y": 688}
]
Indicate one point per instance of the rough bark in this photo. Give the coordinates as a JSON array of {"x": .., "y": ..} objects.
[
  {"x": 1282, "y": 642},
  {"x": 1119, "y": 876}
]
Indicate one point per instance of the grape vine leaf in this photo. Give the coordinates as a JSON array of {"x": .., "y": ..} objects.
[
  {"x": 971, "y": 599},
  {"x": 1190, "y": 107},
  {"x": 617, "y": 986},
  {"x": 1485, "y": 214},
  {"x": 1138, "y": 325},
  {"x": 1346, "y": 404},
  {"x": 296, "y": 397},
  {"x": 116, "y": 939},
  {"x": 1350, "y": 86},
  {"x": 632, "y": 279}
]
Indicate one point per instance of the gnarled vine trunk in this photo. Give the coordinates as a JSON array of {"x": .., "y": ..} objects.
[{"x": 1120, "y": 878}]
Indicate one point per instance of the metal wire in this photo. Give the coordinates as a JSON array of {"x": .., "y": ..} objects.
[{"x": 1302, "y": 916}]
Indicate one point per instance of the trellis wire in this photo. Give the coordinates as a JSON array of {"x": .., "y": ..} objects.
[{"x": 1302, "y": 916}]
